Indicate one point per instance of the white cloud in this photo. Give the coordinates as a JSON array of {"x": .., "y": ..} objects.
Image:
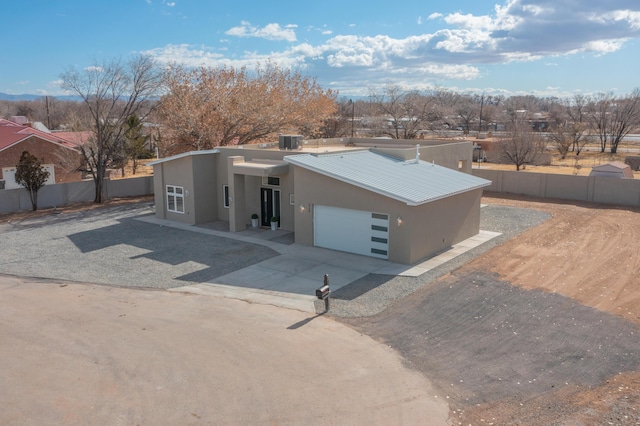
[
  {"x": 515, "y": 31},
  {"x": 171, "y": 3},
  {"x": 23, "y": 82},
  {"x": 271, "y": 31},
  {"x": 470, "y": 21},
  {"x": 94, "y": 68}
]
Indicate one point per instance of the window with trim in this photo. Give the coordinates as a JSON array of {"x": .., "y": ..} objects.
[
  {"x": 225, "y": 196},
  {"x": 175, "y": 199},
  {"x": 270, "y": 181}
]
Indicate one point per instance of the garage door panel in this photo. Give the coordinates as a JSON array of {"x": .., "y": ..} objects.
[{"x": 353, "y": 231}]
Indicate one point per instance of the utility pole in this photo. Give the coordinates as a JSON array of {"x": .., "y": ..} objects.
[
  {"x": 46, "y": 102},
  {"x": 353, "y": 109}
]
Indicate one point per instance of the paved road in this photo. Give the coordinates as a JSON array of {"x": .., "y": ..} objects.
[{"x": 94, "y": 355}]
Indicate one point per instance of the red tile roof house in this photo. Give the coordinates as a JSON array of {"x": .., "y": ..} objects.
[{"x": 55, "y": 152}]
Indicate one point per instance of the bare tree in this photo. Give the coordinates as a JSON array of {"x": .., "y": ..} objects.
[
  {"x": 614, "y": 118},
  {"x": 405, "y": 113},
  {"x": 599, "y": 110},
  {"x": 569, "y": 129},
  {"x": 521, "y": 146},
  {"x": 467, "y": 110},
  {"x": 625, "y": 117},
  {"x": 112, "y": 91}
]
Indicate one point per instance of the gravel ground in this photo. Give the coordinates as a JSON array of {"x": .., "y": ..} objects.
[
  {"x": 108, "y": 246},
  {"x": 372, "y": 294}
]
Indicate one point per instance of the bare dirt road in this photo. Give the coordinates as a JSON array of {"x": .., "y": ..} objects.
[
  {"x": 78, "y": 354},
  {"x": 543, "y": 329}
]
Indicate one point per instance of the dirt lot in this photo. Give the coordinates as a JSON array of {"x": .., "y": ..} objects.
[{"x": 540, "y": 330}]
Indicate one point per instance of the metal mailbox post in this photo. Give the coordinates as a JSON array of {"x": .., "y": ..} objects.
[{"x": 324, "y": 293}]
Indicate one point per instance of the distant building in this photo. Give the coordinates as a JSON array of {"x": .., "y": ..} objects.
[
  {"x": 58, "y": 155},
  {"x": 614, "y": 169}
]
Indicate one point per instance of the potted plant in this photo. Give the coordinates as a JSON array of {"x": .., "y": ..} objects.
[
  {"x": 254, "y": 220},
  {"x": 274, "y": 223}
]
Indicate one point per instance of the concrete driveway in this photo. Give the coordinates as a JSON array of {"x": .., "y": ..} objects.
[{"x": 291, "y": 278}]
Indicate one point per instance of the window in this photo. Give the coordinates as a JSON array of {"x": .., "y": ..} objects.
[
  {"x": 225, "y": 196},
  {"x": 175, "y": 199},
  {"x": 271, "y": 181}
]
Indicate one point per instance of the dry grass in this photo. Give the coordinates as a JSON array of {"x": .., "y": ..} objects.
[{"x": 571, "y": 165}]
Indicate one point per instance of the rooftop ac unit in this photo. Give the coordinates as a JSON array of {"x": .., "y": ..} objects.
[{"x": 290, "y": 142}]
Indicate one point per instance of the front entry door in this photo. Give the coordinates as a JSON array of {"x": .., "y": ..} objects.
[{"x": 270, "y": 205}]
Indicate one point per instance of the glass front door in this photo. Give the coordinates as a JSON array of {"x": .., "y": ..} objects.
[{"x": 270, "y": 205}]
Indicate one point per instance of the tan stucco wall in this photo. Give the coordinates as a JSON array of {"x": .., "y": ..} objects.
[
  {"x": 446, "y": 154},
  {"x": 180, "y": 172},
  {"x": 203, "y": 177},
  {"x": 436, "y": 226},
  {"x": 248, "y": 188},
  {"x": 205, "y": 188},
  {"x": 425, "y": 230},
  {"x": 450, "y": 154}
]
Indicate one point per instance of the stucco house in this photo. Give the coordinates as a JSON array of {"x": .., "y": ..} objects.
[
  {"x": 54, "y": 151},
  {"x": 391, "y": 199}
]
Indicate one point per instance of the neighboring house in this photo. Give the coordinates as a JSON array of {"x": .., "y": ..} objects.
[
  {"x": 614, "y": 169},
  {"x": 55, "y": 153},
  {"x": 382, "y": 198}
]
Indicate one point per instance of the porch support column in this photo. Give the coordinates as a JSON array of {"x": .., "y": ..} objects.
[{"x": 237, "y": 209}]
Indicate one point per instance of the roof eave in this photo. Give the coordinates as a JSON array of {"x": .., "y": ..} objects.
[{"x": 407, "y": 201}]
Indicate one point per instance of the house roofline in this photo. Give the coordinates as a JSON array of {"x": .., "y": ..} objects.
[{"x": 182, "y": 155}]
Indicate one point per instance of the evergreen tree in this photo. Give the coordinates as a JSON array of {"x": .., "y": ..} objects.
[{"x": 31, "y": 175}]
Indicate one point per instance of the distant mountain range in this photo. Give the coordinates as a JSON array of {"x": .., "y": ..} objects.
[{"x": 28, "y": 97}]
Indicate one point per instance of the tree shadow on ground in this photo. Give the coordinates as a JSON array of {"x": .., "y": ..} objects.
[{"x": 173, "y": 246}]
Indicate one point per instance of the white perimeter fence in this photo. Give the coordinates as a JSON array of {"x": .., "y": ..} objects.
[
  {"x": 13, "y": 200},
  {"x": 597, "y": 189}
]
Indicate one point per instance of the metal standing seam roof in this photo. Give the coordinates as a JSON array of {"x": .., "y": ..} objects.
[{"x": 412, "y": 182}]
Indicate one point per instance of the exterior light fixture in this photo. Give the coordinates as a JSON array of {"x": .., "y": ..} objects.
[
  {"x": 302, "y": 208},
  {"x": 399, "y": 221}
]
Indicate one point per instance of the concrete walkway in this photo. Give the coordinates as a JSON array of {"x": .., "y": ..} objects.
[{"x": 290, "y": 280}]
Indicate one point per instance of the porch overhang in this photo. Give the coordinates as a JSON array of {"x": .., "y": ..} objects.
[{"x": 261, "y": 168}]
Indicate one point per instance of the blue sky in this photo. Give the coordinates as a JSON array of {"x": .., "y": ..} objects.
[{"x": 539, "y": 47}]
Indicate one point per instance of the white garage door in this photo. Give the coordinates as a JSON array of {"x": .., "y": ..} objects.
[
  {"x": 353, "y": 231},
  {"x": 9, "y": 176}
]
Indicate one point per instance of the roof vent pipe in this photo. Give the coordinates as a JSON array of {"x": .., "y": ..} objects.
[{"x": 417, "y": 153}]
